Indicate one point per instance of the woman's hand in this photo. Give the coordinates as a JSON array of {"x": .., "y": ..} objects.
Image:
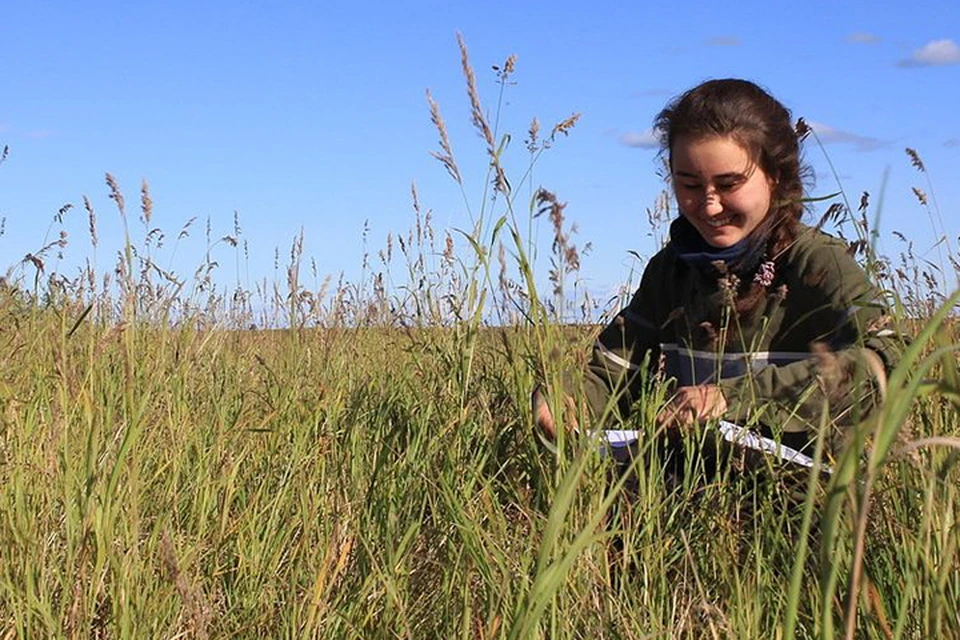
[
  {"x": 694, "y": 404},
  {"x": 543, "y": 417}
]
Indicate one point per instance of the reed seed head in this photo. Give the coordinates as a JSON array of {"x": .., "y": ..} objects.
[{"x": 115, "y": 193}]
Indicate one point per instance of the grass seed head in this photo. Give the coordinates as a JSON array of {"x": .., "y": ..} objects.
[
  {"x": 915, "y": 159},
  {"x": 115, "y": 193}
]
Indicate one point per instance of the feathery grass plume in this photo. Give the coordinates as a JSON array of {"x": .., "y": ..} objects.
[
  {"x": 185, "y": 229},
  {"x": 4, "y": 154},
  {"x": 915, "y": 159},
  {"x": 566, "y": 258},
  {"x": 928, "y": 199},
  {"x": 448, "y": 249},
  {"x": 533, "y": 133},
  {"x": 415, "y": 200},
  {"x": 420, "y": 221},
  {"x": 445, "y": 155},
  {"x": 834, "y": 214},
  {"x": 476, "y": 110},
  {"x": 500, "y": 182},
  {"x": 115, "y": 193},
  {"x": 504, "y": 72},
  {"x": 564, "y": 126},
  {"x": 146, "y": 204},
  {"x": 803, "y": 129},
  {"x": 91, "y": 221},
  {"x": 35, "y": 261},
  {"x": 61, "y": 212}
]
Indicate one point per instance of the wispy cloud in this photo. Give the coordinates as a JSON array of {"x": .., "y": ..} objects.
[
  {"x": 934, "y": 53},
  {"x": 723, "y": 41},
  {"x": 862, "y": 37},
  {"x": 952, "y": 143},
  {"x": 830, "y": 135},
  {"x": 640, "y": 140}
]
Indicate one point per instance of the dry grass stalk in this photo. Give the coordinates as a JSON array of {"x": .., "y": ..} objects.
[
  {"x": 564, "y": 126},
  {"x": 115, "y": 193},
  {"x": 146, "y": 204},
  {"x": 194, "y": 603},
  {"x": 533, "y": 135},
  {"x": 445, "y": 156},
  {"x": 92, "y": 220},
  {"x": 476, "y": 110},
  {"x": 915, "y": 159},
  {"x": 334, "y": 563}
]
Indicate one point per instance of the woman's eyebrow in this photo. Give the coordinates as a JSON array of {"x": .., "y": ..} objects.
[{"x": 733, "y": 175}]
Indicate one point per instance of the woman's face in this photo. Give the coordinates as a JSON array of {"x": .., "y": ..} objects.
[{"x": 719, "y": 189}]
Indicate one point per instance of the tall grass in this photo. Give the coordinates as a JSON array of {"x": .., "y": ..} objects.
[{"x": 361, "y": 463}]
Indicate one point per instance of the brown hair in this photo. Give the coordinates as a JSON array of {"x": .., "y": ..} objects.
[{"x": 758, "y": 122}]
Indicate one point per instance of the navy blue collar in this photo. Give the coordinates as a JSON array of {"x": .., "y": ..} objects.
[{"x": 692, "y": 249}]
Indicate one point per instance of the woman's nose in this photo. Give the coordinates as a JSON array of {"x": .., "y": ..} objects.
[{"x": 711, "y": 202}]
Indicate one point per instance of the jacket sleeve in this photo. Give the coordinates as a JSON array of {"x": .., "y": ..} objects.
[
  {"x": 625, "y": 352},
  {"x": 848, "y": 320}
]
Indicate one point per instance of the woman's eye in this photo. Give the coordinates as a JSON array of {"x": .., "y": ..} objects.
[
  {"x": 728, "y": 186},
  {"x": 690, "y": 186}
]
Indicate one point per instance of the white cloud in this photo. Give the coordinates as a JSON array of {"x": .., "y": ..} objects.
[
  {"x": 861, "y": 37},
  {"x": 934, "y": 53},
  {"x": 641, "y": 140},
  {"x": 952, "y": 143},
  {"x": 723, "y": 41},
  {"x": 830, "y": 135}
]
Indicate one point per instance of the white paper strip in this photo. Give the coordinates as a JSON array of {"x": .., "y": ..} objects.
[{"x": 733, "y": 433}]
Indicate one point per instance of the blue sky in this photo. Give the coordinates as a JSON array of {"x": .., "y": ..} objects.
[{"x": 314, "y": 116}]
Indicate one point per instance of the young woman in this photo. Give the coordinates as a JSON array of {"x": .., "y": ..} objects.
[{"x": 751, "y": 315}]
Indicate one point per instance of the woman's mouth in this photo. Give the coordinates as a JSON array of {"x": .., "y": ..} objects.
[{"x": 719, "y": 221}]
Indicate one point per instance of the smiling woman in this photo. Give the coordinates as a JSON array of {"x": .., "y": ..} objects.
[
  {"x": 719, "y": 189},
  {"x": 747, "y": 314}
]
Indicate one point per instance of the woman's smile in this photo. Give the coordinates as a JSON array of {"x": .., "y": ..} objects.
[{"x": 719, "y": 188}]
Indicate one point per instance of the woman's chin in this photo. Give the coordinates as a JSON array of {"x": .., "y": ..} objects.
[{"x": 723, "y": 239}]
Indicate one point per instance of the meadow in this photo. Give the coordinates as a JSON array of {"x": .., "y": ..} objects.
[{"x": 357, "y": 460}]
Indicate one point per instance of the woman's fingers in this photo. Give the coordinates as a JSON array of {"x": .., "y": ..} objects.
[
  {"x": 693, "y": 404},
  {"x": 544, "y": 419}
]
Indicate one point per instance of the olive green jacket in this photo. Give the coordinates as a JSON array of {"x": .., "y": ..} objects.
[{"x": 796, "y": 352}]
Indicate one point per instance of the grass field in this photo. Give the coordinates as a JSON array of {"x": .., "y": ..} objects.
[{"x": 368, "y": 468}]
